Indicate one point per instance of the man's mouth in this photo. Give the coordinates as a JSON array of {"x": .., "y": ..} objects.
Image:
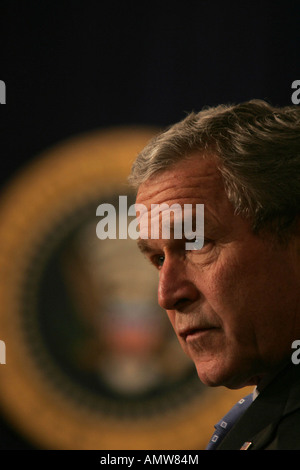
[{"x": 190, "y": 334}]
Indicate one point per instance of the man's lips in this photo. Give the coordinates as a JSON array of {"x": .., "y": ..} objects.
[{"x": 190, "y": 333}]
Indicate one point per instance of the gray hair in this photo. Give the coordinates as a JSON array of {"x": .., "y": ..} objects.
[{"x": 258, "y": 151}]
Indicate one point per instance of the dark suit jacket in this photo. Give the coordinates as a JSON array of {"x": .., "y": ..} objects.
[{"x": 272, "y": 422}]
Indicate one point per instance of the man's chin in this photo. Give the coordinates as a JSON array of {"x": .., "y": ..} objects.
[{"x": 216, "y": 376}]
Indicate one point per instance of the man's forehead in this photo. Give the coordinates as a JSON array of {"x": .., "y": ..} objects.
[
  {"x": 195, "y": 181},
  {"x": 188, "y": 179}
]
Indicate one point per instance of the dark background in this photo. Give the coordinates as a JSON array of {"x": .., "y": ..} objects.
[{"x": 75, "y": 66}]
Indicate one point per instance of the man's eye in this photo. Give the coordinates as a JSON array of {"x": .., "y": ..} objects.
[{"x": 158, "y": 260}]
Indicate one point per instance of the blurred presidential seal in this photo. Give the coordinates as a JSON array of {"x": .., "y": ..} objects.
[{"x": 91, "y": 361}]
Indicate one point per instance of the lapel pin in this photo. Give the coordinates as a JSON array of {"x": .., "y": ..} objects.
[{"x": 246, "y": 446}]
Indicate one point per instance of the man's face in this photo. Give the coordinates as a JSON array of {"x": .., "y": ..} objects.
[{"x": 234, "y": 303}]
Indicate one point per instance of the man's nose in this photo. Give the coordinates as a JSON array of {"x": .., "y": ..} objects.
[{"x": 175, "y": 290}]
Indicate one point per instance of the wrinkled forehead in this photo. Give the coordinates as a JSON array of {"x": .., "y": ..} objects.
[
  {"x": 189, "y": 180},
  {"x": 192, "y": 182}
]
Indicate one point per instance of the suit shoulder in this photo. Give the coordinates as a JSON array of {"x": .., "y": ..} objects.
[{"x": 287, "y": 433}]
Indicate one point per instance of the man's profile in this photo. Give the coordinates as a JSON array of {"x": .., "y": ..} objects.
[{"x": 235, "y": 303}]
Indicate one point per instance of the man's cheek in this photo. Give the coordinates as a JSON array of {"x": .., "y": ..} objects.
[
  {"x": 219, "y": 283},
  {"x": 171, "y": 316}
]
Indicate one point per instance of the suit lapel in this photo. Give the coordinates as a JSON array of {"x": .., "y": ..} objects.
[{"x": 257, "y": 427}]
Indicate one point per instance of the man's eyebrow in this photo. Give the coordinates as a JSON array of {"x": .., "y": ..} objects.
[{"x": 144, "y": 246}]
